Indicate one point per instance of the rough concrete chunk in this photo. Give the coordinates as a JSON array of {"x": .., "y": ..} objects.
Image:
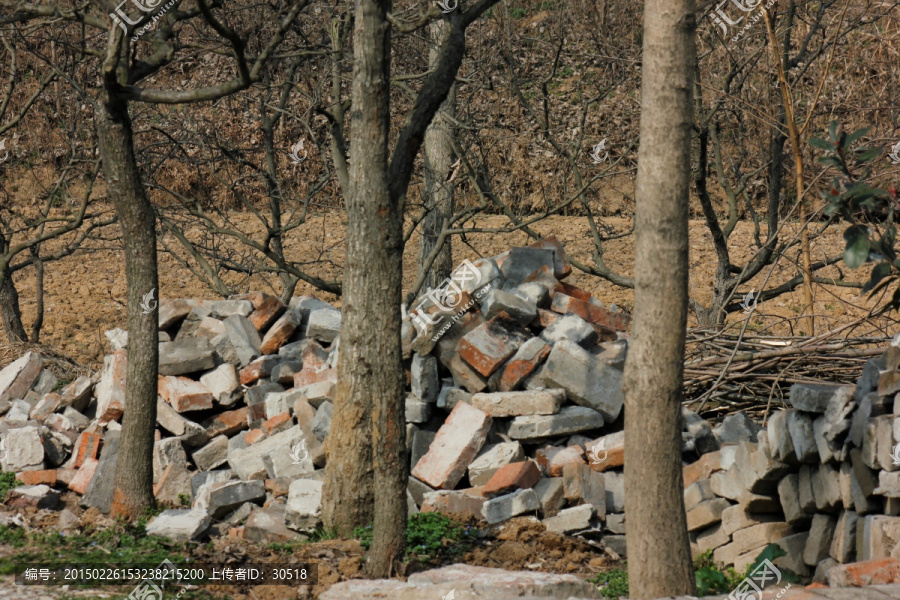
[
  {"x": 571, "y": 419},
  {"x": 570, "y": 519},
  {"x": 19, "y": 376},
  {"x": 519, "y": 309},
  {"x": 304, "y": 505},
  {"x": 821, "y": 533},
  {"x": 111, "y": 389},
  {"x": 492, "y": 458},
  {"x": 425, "y": 382},
  {"x": 815, "y": 397},
  {"x": 323, "y": 324},
  {"x": 511, "y": 404},
  {"x": 509, "y": 506},
  {"x": 186, "y": 356},
  {"x": 24, "y": 450},
  {"x": 240, "y": 343},
  {"x": 179, "y": 525},
  {"x": 587, "y": 379}
]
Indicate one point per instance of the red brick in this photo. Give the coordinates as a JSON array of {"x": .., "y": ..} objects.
[
  {"x": 314, "y": 356},
  {"x": 281, "y": 331},
  {"x": 454, "y": 447},
  {"x": 607, "y": 452},
  {"x": 509, "y": 478},
  {"x": 277, "y": 487},
  {"x": 455, "y": 502},
  {"x": 708, "y": 464},
  {"x": 305, "y": 376},
  {"x": 84, "y": 475},
  {"x": 552, "y": 459},
  {"x": 88, "y": 446},
  {"x": 254, "y": 435},
  {"x": 514, "y": 372},
  {"x": 545, "y": 318},
  {"x": 869, "y": 572},
  {"x": 574, "y": 291},
  {"x": 266, "y": 307},
  {"x": 278, "y": 423},
  {"x": 227, "y": 423},
  {"x": 46, "y": 477},
  {"x": 592, "y": 313},
  {"x": 184, "y": 394},
  {"x": 257, "y": 369},
  {"x": 489, "y": 345},
  {"x": 65, "y": 475}
]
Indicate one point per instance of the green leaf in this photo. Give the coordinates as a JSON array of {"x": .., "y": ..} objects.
[
  {"x": 868, "y": 155},
  {"x": 857, "y": 250},
  {"x": 880, "y": 271},
  {"x": 832, "y": 129},
  {"x": 856, "y": 135},
  {"x": 820, "y": 143},
  {"x": 830, "y": 161}
]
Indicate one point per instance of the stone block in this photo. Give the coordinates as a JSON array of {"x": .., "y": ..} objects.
[
  {"x": 510, "y": 477},
  {"x": 179, "y": 525},
  {"x": 18, "y": 377},
  {"x": 304, "y": 505},
  {"x": 706, "y": 513},
  {"x": 240, "y": 343},
  {"x": 571, "y": 519},
  {"x": 323, "y": 324},
  {"x": 32, "y": 496},
  {"x": 552, "y": 459},
  {"x": 111, "y": 388},
  {"x": 827, "y": 489},
  {"x": 587, "y": 379},
  {"x": 24, "y": 450},
  {"x": 511, "y": 404},
  {"x": 571, "y": 419},
  {"x": 455, "y": 446},
  {"x": 184, "y": 394},
  {"x": 551, "y": 495},
  {"x": 511, "y": 505},
  {"x": 186, "y": 356},
  {"x": 492, "y": 458},
  {"x": 803, "y": 439},
  {"x": 523, "y": 363},
  {"x": 821, "y": 533},
  {"x": 572, "y": 328},
  {"x": 486, "y": 347},
  {"x": 843, "y": 545},
  {"x": 789, "y": 495},
  {"x": 212, "y": 455},
  {"x": 99, "y": 491},
  {"x": 282, "y": 330}
]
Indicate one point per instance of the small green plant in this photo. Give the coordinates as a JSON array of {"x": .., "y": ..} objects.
[
  {"x": 184, "y": 499},
  {"x": 426, "y": 534},
  {"x": 517, "y": 12},
  {"x": 613, "y": 583},
  {"x": 7, "y": 482}
]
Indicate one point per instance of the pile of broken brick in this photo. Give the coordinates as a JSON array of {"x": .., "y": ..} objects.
[
  {"x": 514, "y": 409},
  {"x": 822, "y": 481}
]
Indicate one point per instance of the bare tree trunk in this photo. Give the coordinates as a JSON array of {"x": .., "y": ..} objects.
[
  {"x": 10, "y": 312},
  {"x": 133, "y": 491},
  {"x": 437, "y": 189},
  {"x": 368, "y": 407},
  {"x": 659, "y": 557},
  {"x": 38, "y": 294}
]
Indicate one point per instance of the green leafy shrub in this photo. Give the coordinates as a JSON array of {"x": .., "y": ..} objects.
[
  {"x": 871, "y": 234},
  {"x": 426, "y": 534},
  {"x": 613, "y": 584},
  {"x": 7, "y": 482}
]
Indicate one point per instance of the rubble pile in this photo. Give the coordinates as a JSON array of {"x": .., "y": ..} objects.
[
  {"x": 822, "y": 481},
  {"x": 514, "y": 408},
  {"x": 512, "y": 374}
]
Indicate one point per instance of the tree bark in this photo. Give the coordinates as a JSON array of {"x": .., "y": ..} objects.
[
  {"x": 133, "y": 491},
  {"x": 368, "y": 407},
  {"x": 437, "y": 191},
  {"x": 659, "y": 558},
  {"x": 10, "y": 312}
]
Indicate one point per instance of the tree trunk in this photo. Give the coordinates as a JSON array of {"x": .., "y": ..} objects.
[
  {"x": 368, "y": 406},
  {"x": 659, "y": 558},
  {"x": 9, "y": 310},
  {"x": 437, "y": 191},
  {"x": 133, "y": 491}
]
